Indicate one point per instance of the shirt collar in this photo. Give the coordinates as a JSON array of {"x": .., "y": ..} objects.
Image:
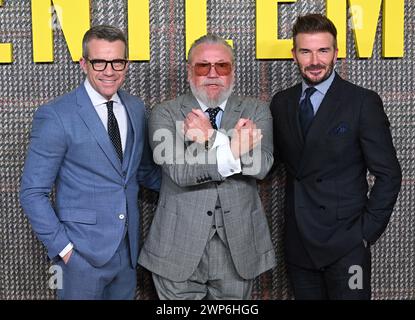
[
  {"x": 322, "y": 87},
  {"x": 204, "y": 107},
  {"x": 96, "y": 98}
]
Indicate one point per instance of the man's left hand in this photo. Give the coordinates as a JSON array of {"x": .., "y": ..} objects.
[{"x": 197, "y": 126}]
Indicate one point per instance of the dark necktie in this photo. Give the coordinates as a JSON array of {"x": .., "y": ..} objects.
[
  {"x": 212, "y": 116},
  {"x": 113, "y": 130},
  {"x": 306, "y": 113}
]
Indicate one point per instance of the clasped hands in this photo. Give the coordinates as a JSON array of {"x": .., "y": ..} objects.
[{"x": 245, "y": 135}]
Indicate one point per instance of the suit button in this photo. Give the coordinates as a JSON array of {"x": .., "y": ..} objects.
[
  {"x": 217, "y": 207},
  {"x": 323, "y": 207},
  {"x": 124, "y": 174},
  {"x": 319, "y": 180},
  {"x": 121, "y": 216},
  {"x": 219, "y": 183},
  {"x": 209, "y": 213}
]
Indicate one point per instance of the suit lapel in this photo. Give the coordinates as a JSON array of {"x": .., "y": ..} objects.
[
  {"x": 293, "y": 109},
  {"x": 232, "y": 113},
  {"x": 135, "y": 121},
  {"x": 326, "y": 111},
  {"x": 323, "y": 119},
  {"x": 189, "y": 102},
  {"x": 94, "y": 123}
]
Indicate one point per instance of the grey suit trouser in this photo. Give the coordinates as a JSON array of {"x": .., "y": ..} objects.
[{"x": 215, "y": 278}]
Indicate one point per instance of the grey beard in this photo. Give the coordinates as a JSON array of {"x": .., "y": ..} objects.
[{"x": 211, "y": 103}]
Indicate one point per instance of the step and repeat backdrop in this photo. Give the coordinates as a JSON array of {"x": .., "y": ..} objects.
[{"x": 26, "y": 84}]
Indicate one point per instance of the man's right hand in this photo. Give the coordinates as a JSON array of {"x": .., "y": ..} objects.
[{"x": 67, "y": 256}]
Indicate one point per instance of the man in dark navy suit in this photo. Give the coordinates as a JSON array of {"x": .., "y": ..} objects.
[{"x": 329, "y": 133}]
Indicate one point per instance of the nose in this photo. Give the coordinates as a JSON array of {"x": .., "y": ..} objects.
[
  {"x": 212, "y": 72},
  {"x": 314, "y": 58},
  {"x": 108, "y": 71}
]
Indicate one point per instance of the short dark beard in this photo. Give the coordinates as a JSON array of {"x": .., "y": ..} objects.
[{"x": 310, "y": 82}]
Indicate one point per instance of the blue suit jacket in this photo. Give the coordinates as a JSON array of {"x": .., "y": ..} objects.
[{"x": 71, "y": 150}]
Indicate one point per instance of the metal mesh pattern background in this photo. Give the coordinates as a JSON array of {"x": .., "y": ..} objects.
[{"x": 25, "y": 85}]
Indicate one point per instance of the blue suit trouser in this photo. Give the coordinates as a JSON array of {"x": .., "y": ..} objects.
[{"x": 116, "y": 280}]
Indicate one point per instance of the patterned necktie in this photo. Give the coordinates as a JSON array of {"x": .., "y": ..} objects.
[
  {"x": 212, "y": 116},
  {"x": 113, "y": 130},
  {"x": 306, "y": 114}
]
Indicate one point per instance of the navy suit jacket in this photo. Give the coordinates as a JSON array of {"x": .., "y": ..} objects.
[
  {"x": 328, "y": 211},
  {"x": 71, "y": 150}
]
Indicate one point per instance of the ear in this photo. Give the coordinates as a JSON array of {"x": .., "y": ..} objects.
[
  {"x": 83, "y": 65},
  {"x": 294, "y": 55},
  {"x": 336, "y": 52}
]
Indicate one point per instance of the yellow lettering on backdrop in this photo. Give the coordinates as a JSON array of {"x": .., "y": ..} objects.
[
  {"x": 6, "y": 49},
  {"x": 364, "y": 18},
  {"x": 73, "y": 17},
  {"x": 393, "y": 28},
  {"x": 139, "y": 30},
  {"x": 268, "y": 46},
  {"x": 196, "y": 21},
  {"x": 336, "y": 11}
]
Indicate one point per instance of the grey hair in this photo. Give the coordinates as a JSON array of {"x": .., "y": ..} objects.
[
  {"x": 102, "y": 32},
  {"x": 210, "y": 38}
]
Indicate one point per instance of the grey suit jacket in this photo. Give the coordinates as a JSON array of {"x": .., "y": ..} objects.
[{"x": 190, "y": 189}]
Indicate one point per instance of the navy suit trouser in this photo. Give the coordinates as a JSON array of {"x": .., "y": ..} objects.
[{"x": 348, "y": 278}]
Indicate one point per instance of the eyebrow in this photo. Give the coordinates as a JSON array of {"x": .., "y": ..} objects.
[
  {"x": 307, "y": 49},
  {"x": 219, "y": 61}
]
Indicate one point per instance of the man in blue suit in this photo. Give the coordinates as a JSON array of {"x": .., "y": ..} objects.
[{"x": 91, "y": 144}]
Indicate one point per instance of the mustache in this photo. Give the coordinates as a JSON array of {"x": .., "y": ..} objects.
[
  {"x": 315, "y": 67},
  {"x": 217, "y": 82}
]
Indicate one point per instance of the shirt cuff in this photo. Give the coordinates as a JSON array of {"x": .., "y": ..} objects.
[
  {"x": 68, "y": 248},
  {"x": 227, "y": 164}
]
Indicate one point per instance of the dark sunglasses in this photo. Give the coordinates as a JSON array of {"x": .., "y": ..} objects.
[
  {"x": 203, "y": 68},
  {"x": 101, "y": 65}
]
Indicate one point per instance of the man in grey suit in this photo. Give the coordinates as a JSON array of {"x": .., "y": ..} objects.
[
  {"x": 91, "y": 144},
  {"x": 209, "y": 238}
]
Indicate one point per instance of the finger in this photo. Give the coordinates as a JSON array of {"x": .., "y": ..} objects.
[
  {"x": 191, "y": 120},
  {"x": 198, "y": 113},
  {"x": 241, "y": 122}
]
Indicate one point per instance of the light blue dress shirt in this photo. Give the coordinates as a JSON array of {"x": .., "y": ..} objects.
[{"x": 318, "y": 96}]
